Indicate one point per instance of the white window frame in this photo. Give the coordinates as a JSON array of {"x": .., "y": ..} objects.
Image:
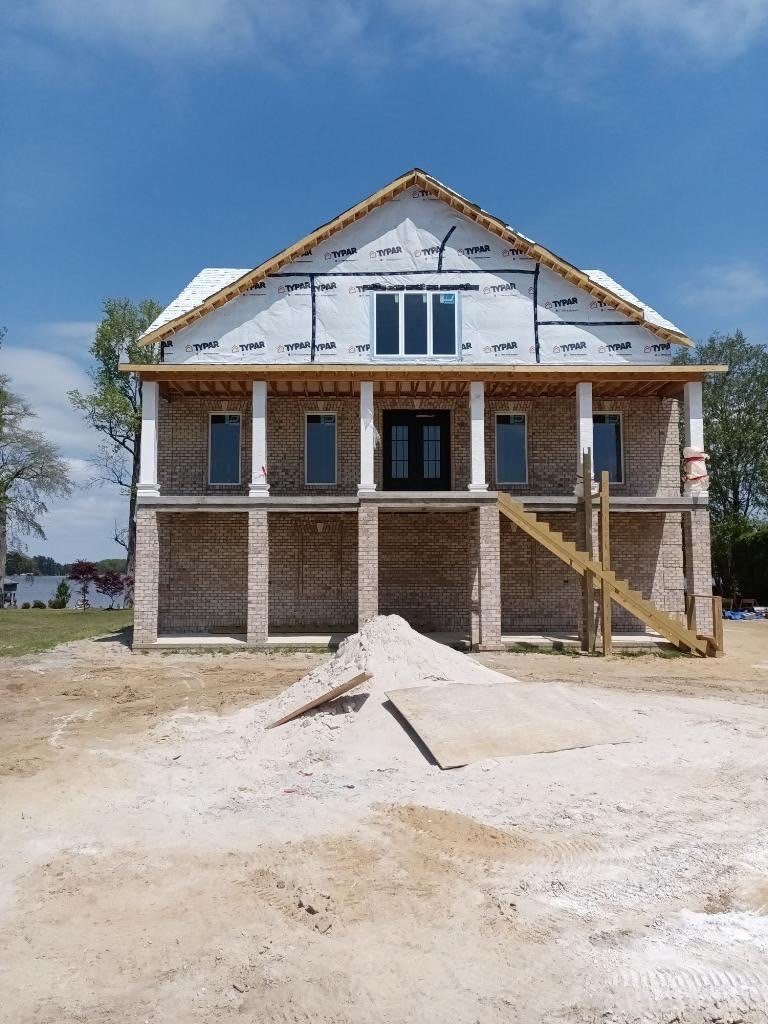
[
  {"x": 321, "y": 412},
  {"x": 613, "y": 412},
  {"x": 509, "y": 412},
  {"x": 429, "y": 354},
  {"x": 227, "y": 412}
]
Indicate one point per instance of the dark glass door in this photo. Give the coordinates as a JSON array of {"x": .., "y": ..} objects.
[{"x": 417, "y": 450}]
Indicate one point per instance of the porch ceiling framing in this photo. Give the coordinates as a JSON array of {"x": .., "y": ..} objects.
[{"x": 420, "y": 179}]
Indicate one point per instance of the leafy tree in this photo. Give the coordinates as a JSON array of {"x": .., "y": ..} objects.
[
  {"x": 83, "y": 573},
  {"x": 31, "y": 471},
  {"x": 113, "y": 407},
  {"x": 735, "y": 418},
  {"x": 61, "y": 598},
  {"x": 110, "y": 584},
  {"x": 17, "y": 563}
]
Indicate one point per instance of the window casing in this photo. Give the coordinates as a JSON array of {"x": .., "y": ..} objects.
[
  {"x": 414, "y": 324},
  {"x": 608, "y": 445},
  {"x": 511, "y": 448},
  {"x": 224, "y": 448},
  {"x": 320, "y": 449}
]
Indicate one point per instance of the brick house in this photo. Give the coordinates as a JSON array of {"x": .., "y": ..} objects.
[{"x": 326, "y": 436}]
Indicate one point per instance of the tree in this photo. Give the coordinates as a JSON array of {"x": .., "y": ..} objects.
[
  {"x": 61, "y": 598},
  {"x": 110, "y": 584},
  {"x": 31, "y": 471},
  {"x": 113, "y": 408},
  {"x": 735, "y": 418},
  {"x": 83, "y": 573}
]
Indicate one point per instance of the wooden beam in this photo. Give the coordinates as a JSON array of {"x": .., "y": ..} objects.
[
  {"x": 605, "y": 558},
  {"x": 588, "y": 581}
]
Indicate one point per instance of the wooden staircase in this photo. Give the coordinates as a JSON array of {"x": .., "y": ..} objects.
[{"x": 620, "y": 591}]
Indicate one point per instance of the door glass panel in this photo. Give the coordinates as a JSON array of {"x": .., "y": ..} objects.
[
  {"x": 415, "y": 325},
  {"x": 444, "y": 324},
  {"x": 387, "y": 325},
  {"x": 399, "y": 452},
  {"x": 431, "y": 449}
]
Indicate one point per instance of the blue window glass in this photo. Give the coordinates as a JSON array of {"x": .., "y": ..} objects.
[
  {"x": 444, "y": 324},
  {"x": 321, "y": 448},
  {"x": 399, "y": 451},
  {"x": 415, "y": 324},
  {"x": 224, "y": 460},
  {"x": 607, "y": 445},
  {"x": 510, "y": 449},
  {"x": 387, "y": 325},
  {"x": 431, "y": 443}
]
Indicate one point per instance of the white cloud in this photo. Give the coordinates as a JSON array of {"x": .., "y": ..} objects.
[
  {"x": 531, "y": 30},
  {"x": 729, "y": 289}
]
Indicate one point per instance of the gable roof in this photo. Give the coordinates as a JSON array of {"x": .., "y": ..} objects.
[{"x": 181, "y": 314}]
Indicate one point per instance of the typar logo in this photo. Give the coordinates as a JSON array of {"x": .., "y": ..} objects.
[
  {"x": 599, "y": 304},
  {"x": 474, "y": 251},
  {"x": 288, "y": 289},
  {"x": 504, "y": 346},
  {"x": 357, "y": 289},
  {"x": 202, "y": 346},
  {"x": 325, "y": 346},
  {"x": 513, "y": 254},
  {"x": 499, "y": 289},
  {"x": 325, "y": 286},
  {"x": 618, "y": 346},
  {"x": 421, "y": 193},
  {"x": 572, "y": 300},
  {"x": 250, "y": 346},
  {"x": 574, "y": 346},
  {"x": 358, "y": 350},
  {"x": 431, "y": 250},
  {"x": 662, "y": 347},
  {"x": 260, "y": 286},
  {"x": 295, "y": 346},
  {"x": 466, "y": 346},
  {"x": 382, "y": 254},
  {"x": 341, "y": 254}
]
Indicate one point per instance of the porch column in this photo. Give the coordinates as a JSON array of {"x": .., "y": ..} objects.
[
  {"x": 367, "y": 562},
  {"x": 258, "y": 576},
  {"x": 697, "y": 555},
  {"x": 146, "y": 577},
  {"x": 147, "y": 485},
  {"x": 367, "y": 483},
  {"x": 693, "y": 406},
  {"x": 477, "y": 435},
  {"x": 584, "y": 428},
  {"x": 490, "y": 576},
  {"x": 259, "y": 488}
]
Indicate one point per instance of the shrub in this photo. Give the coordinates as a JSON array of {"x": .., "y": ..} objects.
[
  {"x": 25, "y": 604},
  {"x": 38, "y": 604},
  {"x": 83, "y": 573},
  {"x": 111, "y": 585},
  {"x": 61, "y": 598}
]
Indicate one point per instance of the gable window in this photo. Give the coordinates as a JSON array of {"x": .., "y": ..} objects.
[
  {"x": 415, "y": 323},
  {"x": 320, "y": 448},
  {"x": 511, "y": 449},
  {"x": 608, "y": 445},
  {"x": 224, "y": 448}
]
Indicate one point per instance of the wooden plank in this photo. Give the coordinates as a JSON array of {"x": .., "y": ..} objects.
[
  {"x": 588, "y": 583},
  {"x": 717, "y": 624},
  {"x": 460, "y": 723},
  {"x": 605, "y": 558},
  {"x": 337, "y": 691}
]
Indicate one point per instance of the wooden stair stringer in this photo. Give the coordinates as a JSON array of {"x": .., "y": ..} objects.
[{"x": 620, "y": 590}]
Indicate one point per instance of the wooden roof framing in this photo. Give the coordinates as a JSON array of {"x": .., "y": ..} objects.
[{"x": 415, "y": 178}]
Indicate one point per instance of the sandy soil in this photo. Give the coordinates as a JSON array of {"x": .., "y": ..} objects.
[{"x": 154, "y": 869}]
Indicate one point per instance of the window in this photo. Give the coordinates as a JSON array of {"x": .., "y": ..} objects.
[
  {"x": 224, "y": 448},
  {"x": 608, "y": 444},
  {"x": 511, "y": 449},
  {"x": 415, "y": 323},
  {"x": 320, "y": 448}
]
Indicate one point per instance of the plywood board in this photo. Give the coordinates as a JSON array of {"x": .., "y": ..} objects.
[
  {"x": 337, "y": 691},
  {"x": 461, "y": 723}
]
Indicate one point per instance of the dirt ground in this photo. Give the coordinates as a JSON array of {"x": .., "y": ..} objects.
[{"x": 143, "y": 880}]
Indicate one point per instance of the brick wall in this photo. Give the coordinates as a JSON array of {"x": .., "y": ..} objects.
[
  {"x": 145, "y": 589},
  {"x": 203, "y": 572},
  {"x": 182, "y": 450},
  {"x": 424, "y": 568},
  {"x": 285, "y": 444},
  {"x": 312, "y": 571}
]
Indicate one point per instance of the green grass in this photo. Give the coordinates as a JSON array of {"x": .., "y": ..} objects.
[{"x": 31, "y": 630}]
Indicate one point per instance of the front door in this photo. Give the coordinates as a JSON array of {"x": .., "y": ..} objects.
[{"x": 417, "y": 450}]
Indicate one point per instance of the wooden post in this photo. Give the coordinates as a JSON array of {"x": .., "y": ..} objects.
[
  {"x": 605, "y": 558},
  {"x": 690, "y": 612},
  {"x": 588, "y": 640},
  {"x": 717, "y": 624}
]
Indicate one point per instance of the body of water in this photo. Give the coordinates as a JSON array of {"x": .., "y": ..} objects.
[{"x": 41, "y": 588}]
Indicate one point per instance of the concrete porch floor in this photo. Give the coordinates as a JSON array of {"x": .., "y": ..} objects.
[{"x": 544, "y": 639}]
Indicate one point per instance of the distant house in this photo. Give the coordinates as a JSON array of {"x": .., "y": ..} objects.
[{"x": 327, "y": 434}]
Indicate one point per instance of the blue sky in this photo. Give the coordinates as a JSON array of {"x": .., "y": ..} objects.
[{"x": 143, "y": 141}]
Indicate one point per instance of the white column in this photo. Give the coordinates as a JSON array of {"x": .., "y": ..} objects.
[
  {"x": 367, "y": 438},
  {"x": 584, "y": 427},
  {"x": 477, "y": 436},
  {"x": 259, "y": 487},
  {"x": 693, "y": 431},
  {"x": 148, "y": 485}
]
